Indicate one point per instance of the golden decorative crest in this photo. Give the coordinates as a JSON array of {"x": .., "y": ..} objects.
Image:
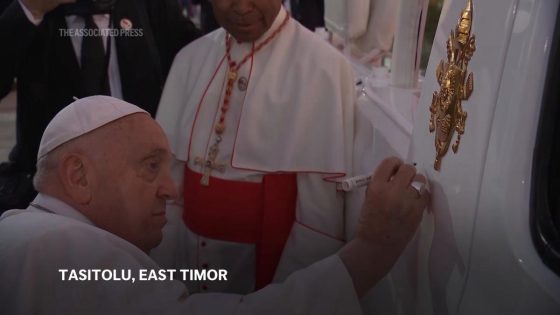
[{"x": 447, "y": 115}]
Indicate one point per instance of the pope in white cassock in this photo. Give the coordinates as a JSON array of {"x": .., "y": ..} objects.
[
  {"x": 103, "y": 178},
  {"x": 259, "y": 115}
]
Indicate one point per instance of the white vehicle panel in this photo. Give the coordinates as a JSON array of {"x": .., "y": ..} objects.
[
  {"x": 473, "y": 253},
  {"x": 506, "y": 274},
  {"x": 445, "y": 235}
]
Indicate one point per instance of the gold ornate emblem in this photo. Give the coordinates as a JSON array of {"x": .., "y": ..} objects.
[{"x": 447, "y": 115}]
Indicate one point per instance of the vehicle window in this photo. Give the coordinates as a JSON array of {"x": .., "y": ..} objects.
[
  {"x": 432, "y": 19},
  {"x": 545, "y": 195},
  {"x": 554, "y": 186}
]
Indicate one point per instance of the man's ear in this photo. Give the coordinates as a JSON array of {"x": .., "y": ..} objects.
[{"x": 76, "y": 177}]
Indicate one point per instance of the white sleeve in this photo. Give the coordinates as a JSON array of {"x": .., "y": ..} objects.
[
  {"x": 318, "y": 230},
  {"x": 32, "y": 283},
  {"x": 324, "y": 288}
]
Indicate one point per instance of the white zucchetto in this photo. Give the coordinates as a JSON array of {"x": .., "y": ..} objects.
[{"x": 82, "y": 116}]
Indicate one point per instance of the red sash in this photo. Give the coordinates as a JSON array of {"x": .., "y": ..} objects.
[{"x": 244, "y": 212}]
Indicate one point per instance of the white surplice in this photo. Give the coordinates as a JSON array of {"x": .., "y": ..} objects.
[
  {"x": 50, "y": 235},
  {"x": 295, "y": 116}
]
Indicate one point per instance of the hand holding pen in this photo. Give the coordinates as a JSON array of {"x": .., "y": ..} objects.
[{"x": 352, "y": 183}]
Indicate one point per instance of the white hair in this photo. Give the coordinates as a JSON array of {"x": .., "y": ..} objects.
[{"x": 46, "y": 167}]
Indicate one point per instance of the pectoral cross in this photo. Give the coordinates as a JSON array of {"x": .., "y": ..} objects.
[{"x": 210, "y": 164}]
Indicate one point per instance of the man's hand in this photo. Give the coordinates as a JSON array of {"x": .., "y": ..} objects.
[
  {"x": 39, "y": 8},
  {"x": 393, "y": 208},
  {"x": 391, "y": 213}
]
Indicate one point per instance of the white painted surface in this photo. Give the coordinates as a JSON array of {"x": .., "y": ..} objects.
[{"x": 473, "y": 253}]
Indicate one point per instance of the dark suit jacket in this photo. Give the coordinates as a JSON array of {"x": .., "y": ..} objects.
[
  {"x": 48, "y": 74},
  {"x": 310, "y": 13}
]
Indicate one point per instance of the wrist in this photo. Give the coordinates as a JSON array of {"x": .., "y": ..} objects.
[
  {"x": 380, "y": 238},
  {"x": 365, "y": 263}
]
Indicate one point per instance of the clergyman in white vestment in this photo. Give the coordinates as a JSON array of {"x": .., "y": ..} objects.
[
  {"x": 103, "y": 178},
  {"x": 35, "y": 243},
  {"x": 110, "y": 160},
  {"x": 259, "y": 128}
]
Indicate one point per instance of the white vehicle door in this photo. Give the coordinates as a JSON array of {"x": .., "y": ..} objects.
[{"x": 474, "y": 253}]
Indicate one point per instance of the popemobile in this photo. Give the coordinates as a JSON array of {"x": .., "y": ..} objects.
[{"x": 484, "y": 128}]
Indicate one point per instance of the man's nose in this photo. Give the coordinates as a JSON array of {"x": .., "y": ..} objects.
[
  {"x": 242, "y": 7},
  {"x": 168, "y": 189}
]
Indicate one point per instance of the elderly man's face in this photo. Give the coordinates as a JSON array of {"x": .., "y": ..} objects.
[
  {"x": 246, "y": 20},
  {"x": 136, "y": 182}
]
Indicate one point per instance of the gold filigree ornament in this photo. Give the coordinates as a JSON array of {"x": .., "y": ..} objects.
[{"x": 447, "y": 115}]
